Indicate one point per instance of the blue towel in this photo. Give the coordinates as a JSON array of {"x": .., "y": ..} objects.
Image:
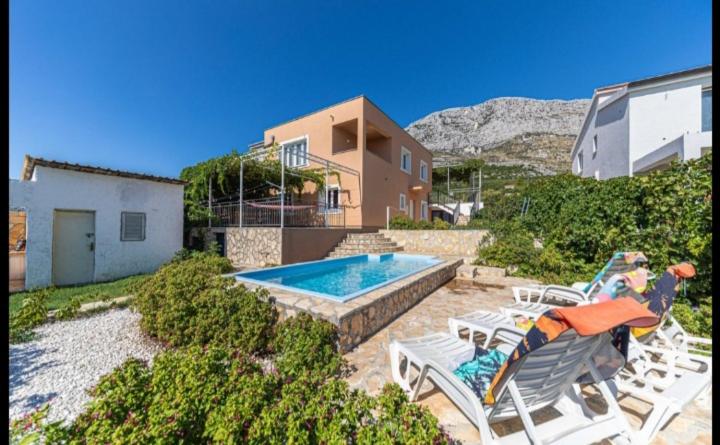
[{"x": 479, "y": 372}]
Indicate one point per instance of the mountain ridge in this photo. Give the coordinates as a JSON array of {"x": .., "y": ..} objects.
[{"x": 538, "y": 133}]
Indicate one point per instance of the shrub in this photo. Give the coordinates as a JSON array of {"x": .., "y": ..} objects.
[
  {"x": 581, "y": 221},
  {"x": 304, "y": 345},
  {"x": 439, "y": 224},
  {"x": 196, "y": 396},
  {"x": 187, "y": 302},
  {"x": 68, "y": 311},
  {"x": 401, "y": 222},
  {"x": 33, "y": 313}
]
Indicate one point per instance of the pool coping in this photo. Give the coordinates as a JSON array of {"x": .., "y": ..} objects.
[
  {"x": 361, "y": 317},
  {"x": 337, "y": 299}
]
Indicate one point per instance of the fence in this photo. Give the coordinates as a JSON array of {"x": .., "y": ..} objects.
[{"x": 267, "y": 213}]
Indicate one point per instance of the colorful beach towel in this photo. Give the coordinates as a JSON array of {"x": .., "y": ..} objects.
[
  {"x": 627, "y": 284},
  {"x": 586, "y": 320},
  {"x": 479, "y": 372},
  {"x": 620, "y": 262}
]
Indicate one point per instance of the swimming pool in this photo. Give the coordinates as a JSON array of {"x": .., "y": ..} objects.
[{"x": 340, "y": 279}]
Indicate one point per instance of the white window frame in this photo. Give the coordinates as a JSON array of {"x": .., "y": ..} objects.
[
  {"x": 424, "y": 210},
  {"x": 291, "y": 158},
  {"x": 702, "y": 115},
  {"x": 326, "y": 201},
  {"x": 403, "y": 202},
  {"x": 404, "y": 151},
  {"x": 594, "y": 144},
  {"x": 423, "y": 164}
]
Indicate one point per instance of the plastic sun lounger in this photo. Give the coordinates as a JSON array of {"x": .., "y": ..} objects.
[
  {"x": 666, "y": 379},
  {"x": 542, "y": 378}
]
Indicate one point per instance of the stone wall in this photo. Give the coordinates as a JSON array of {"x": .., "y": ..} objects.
[
  {"x": 438, "y": 242},
  {"x": 253, "y": 246},
  {"x": 361, "y": 317}
]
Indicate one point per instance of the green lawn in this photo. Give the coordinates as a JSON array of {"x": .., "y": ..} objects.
[{"x": 60, "y": 296}]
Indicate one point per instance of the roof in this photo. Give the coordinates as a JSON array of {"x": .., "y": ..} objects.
[
  {"x": 361, "y": 96},
  {"x": 31, "y": 162},
  {"x": 659, "y": 78}
]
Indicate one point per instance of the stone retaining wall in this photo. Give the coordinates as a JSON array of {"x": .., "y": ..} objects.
[
  {"x": 439, "y": 242},
  {"x": 254, "y": 246}
]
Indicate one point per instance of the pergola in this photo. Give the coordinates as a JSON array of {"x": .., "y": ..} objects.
[{"x": 305, "y": 159}]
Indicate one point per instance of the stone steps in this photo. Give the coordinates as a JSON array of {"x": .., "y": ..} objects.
[{"x": 359, "y": 243}]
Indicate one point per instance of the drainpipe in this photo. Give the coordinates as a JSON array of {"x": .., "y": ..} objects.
[
  {"x": 282, "y": 186},
  {"x": 240, "y": 209}
]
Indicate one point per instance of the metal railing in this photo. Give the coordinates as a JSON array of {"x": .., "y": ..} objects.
[{"x": 266, "y": 213}]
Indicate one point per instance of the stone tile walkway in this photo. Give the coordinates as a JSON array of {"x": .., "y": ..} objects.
[{"x": 371, "y": 363}]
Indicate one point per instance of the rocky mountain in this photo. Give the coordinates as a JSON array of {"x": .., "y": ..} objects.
[{"x": 506, "y": 131}]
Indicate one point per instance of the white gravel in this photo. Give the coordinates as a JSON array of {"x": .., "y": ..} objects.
[{"x": 68, "y": 357}]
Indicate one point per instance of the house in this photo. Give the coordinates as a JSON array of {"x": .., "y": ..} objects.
[
  {"x": 637, "y": 127},
  {"x": 394, "y": 170},
  {"x": 87, "y": 224},
  {"x": 373, "y": 170}
]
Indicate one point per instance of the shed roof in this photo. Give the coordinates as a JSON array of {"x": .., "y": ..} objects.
[{"x": 31, "y": 162}]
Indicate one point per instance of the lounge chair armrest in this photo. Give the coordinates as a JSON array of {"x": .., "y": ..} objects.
[
  {"x": 571, "y": 294},
  {"x": 513, "y": 335}
]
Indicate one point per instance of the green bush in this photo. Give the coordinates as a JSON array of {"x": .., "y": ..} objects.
[
  {"x": 32, "y": 313},
  {"x": 439, "y": 224},
  {"x": 200, "y": 396},
  {"x": 187, "y": 302},
  {"x": 582, "y": 221},
  {"x": 303, "y": 344},
  {"x": 70, "y": 310},
  {"x": 401, "y": 222}
]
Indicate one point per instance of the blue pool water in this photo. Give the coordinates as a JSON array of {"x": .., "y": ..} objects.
[{"x": 340, "y": 279}]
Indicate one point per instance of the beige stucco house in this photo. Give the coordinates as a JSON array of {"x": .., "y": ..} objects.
[{"x": 394, "y": 170}]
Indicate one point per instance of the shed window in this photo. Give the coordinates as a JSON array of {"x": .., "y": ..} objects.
[{"x": 132, "y": 226}]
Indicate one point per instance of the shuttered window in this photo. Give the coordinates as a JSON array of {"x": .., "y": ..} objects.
[{"x": 132, "y": 226}]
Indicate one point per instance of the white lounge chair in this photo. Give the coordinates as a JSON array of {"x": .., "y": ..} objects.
[
  {"x": 542, "y": 378},
  {"x": 579, "y": 292},
  {"x": 666, "y": 379}
]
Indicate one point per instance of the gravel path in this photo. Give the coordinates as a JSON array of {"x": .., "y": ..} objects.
[{"x": 69, "y": 357}]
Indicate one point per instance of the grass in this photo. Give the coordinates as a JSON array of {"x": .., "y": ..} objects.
[{"x": 60, "y": 296}]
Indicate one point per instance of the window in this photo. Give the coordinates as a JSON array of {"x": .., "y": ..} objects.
[
  {"x": 296, "y": 153},
  {"x": 132, "y": 226},
  {"x": 332, "y": 199},
  {"x": 423, "y": 210},
  {"x": 594, "y": 145},
  {"x": 405, "y": 160},
  {"x": 423, "y": 171},
  {"x": 580, "y": 162},
  {"x": 403, "y": 203},
  {"x": 706, "y": 110}
]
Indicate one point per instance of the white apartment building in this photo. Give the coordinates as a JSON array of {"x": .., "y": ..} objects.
[{"x": 640, "y": 126}]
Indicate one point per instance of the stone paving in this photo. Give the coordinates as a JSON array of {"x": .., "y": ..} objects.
[{"x": 370, "y": 362}]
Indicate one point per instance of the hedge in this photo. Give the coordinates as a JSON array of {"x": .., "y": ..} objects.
[{"x": 580, "y": 222}]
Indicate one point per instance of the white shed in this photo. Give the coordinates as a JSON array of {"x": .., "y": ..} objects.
[{"x": 89, "y": 224}]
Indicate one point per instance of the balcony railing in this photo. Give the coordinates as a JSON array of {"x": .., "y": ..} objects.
[{"x": 267, "y": 213}]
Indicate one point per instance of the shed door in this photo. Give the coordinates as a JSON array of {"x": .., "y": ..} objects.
[{"x": 73, "y": 253}]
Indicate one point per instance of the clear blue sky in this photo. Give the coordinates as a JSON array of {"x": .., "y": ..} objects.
[{"x": 153, "y": 86}]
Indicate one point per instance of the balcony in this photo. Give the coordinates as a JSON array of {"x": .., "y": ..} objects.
[{"x": 268, "y": 213}]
